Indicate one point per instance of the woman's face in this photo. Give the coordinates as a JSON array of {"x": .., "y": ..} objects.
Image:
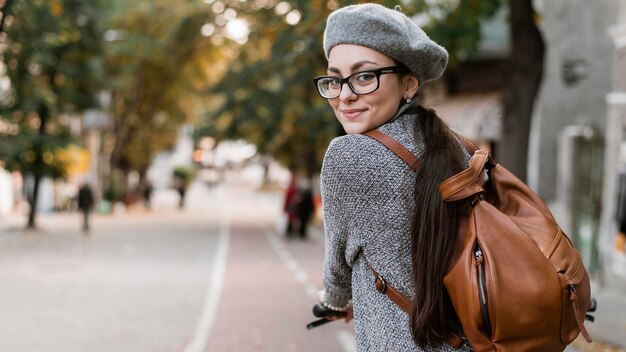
[{"x": 361, "y": 113}]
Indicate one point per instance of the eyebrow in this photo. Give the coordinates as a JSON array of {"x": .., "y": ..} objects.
[{"x": 354, "y": 66}]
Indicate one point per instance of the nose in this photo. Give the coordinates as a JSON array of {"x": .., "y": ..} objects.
[{"x": 346, "y": 92}]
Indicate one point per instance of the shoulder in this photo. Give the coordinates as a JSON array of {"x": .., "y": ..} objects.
[
  {"x": 357, "y": 152},
  {"x": 351, "y": 143},
  {"x": 360, "y": 162},
  {"x": 351, "y": 149}
]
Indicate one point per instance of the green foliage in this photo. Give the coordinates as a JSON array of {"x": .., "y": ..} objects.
[
  {"x": 458, "y": 27},
  {"x": 52, "y": 55},
  {"x": 30, "y": 153},
  {"x": 114, "y": 190},
  {"x": 51, "y": 51},
  {"x": 154, "y": 60},
  {"x": 267, "y": 96},
  {"x": 160, "y": 70},
  {"x": 184, "y": 174}
]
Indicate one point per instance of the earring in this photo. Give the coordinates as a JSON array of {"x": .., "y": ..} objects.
[{"x": 408, "y": 100}]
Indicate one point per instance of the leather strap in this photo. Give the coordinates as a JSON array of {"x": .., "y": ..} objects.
[
  {"x": 397, "y": 297},
  {"x": 573, "y": 298},
  {"x": 395, "y": 146},
  {"x": 403, "y": 153},
  {"x": 405, "y": 304}
]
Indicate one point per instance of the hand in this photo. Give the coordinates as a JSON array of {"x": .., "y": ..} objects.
[
  {"x": 348, "y": 316},
  {"x": 328, "y": 315}
]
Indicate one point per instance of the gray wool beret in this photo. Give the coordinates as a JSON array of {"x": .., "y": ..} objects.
[{"x": 387, "y": 31}]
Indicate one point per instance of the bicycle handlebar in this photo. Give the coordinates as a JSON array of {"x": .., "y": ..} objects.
[{"x": 322, "y": 312}]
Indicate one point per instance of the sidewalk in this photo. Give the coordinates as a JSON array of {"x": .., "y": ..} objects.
[{"x": 215, "y": 276}]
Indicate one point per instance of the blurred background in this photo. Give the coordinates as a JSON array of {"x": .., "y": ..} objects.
[{"x": 159, "y": 160}]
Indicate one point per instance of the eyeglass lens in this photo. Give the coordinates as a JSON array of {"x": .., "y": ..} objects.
[{"x": 359, "y": 83}]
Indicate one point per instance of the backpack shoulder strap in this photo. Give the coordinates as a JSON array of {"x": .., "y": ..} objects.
[
  {"x": 401, "y": 151},
  {"x": 404, "y": 303}
]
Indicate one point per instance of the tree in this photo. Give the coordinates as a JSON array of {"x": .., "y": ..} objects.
[
  {"x": 51, "y": 52},
  {"x": 267, "y": 96},
  {"x": 459, "y": 32},
  {"x": 155, "y": 57},
  {"x": 526, "y": 73}
]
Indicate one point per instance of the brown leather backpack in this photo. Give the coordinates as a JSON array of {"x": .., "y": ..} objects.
[{"x": 517, "y": 283}]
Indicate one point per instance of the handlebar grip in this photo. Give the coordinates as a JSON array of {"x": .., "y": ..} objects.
[
  {"x": 320, "y": 312},
  {"x": 317, "y": 323}
]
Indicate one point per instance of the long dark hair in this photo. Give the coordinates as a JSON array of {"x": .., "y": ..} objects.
[{"x": 433, "y": 320}]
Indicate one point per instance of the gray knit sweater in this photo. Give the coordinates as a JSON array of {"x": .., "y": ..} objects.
[{"x": 367, "y": 195}]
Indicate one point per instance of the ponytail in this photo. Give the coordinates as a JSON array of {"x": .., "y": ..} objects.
[{"x": 433, "y": 320}]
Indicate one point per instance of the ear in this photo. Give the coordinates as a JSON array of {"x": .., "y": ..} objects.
[{"x": 411, "y": 85}]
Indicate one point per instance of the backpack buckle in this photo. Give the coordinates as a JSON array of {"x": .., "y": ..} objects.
[{"x": 381, "y": 284}]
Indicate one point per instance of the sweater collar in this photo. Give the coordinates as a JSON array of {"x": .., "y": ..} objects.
[{"x": 401, "y": 110}]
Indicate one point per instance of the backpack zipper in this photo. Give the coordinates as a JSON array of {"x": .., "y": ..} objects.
[{"x": 482, "y": 289}]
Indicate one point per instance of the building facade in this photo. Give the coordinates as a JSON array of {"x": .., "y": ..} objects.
[
  {"x": 572, "y": 140},
  {"x": 615, "y": 156},
  {"x": 577, "y": 77}
]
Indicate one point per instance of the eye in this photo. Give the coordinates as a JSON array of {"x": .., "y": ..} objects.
[
  {"x": 334, "y": 81},
  {"x": 365, "y": 77}
]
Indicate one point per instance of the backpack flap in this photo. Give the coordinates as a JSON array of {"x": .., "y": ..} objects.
[{"x": 466, "y": 183}]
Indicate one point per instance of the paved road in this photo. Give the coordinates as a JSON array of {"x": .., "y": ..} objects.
[{"x": 214, "y": 277}]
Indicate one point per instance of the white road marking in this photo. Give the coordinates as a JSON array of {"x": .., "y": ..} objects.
[
  {"x": 211, "y": 302},
  {"x": 292, "y": 265},
  {"x": 345, "y": 337}
]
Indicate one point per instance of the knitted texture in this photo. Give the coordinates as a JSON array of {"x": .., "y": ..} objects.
[
  {"x": 367, "y": 194},
  {"x": 389, "y": 32}
]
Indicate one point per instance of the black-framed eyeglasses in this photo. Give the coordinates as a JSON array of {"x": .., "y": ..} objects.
[{"x": 363, "y": 82}]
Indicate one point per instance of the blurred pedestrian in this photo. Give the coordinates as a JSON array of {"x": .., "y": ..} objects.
[
  {"x": 291, "y": 204},
  {"x": 146, "y": 190},
  {"x": 305, "y": 207},
  {"x": 180, "y": 187},
  {"x": 85, "y": 203},
  {"x": 378, "y": 214}
]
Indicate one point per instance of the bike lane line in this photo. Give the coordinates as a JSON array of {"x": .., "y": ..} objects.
[{"x": 214, "y": 291}]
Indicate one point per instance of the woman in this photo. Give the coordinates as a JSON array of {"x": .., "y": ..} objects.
[{"x": 379, "y": 214}]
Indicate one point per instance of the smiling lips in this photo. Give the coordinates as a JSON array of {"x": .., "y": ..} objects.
[{"x": 352, "y": 114}]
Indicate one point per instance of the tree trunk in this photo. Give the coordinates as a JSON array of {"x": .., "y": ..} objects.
[
  {"x": 33, "y": 202},
  {"x": 526, "y": 63},
  {"x": 38, "y": 167}
]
